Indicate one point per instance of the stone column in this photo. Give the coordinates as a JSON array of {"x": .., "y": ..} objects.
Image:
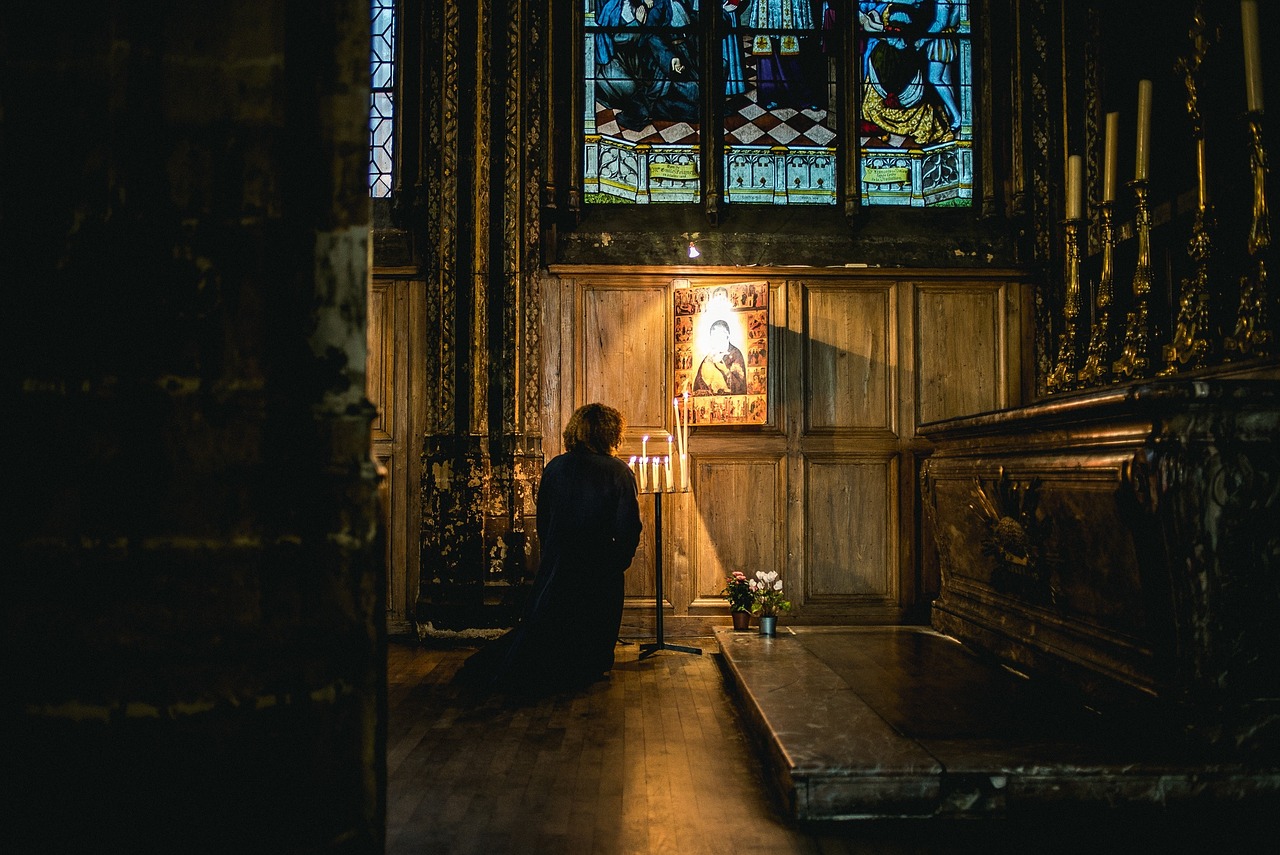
[{"x": 193, "y": 608}]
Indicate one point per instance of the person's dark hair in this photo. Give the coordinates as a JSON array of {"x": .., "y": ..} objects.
[
  {"x": 721, "y": 323},
  {"x": 593, "y": 427}
]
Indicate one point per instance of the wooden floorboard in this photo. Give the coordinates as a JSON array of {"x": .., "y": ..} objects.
[
  {"x": 651, "y": 761},
  {"x": 654, "y": 760}
]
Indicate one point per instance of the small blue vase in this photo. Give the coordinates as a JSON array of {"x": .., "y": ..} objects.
[{"x": 769, "y": 626}]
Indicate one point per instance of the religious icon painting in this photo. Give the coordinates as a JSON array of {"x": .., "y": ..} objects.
[{"x": 721, "y": 347}]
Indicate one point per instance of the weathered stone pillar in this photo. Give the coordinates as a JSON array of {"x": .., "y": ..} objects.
[
  {"x": 192, "y": 617},
  {"x": 476, "y": 195}
]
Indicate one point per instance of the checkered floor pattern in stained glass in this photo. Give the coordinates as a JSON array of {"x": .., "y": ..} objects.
[{"x": 747, "y": 123}]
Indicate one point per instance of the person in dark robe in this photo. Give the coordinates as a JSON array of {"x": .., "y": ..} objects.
[{"x": 588, "y": 531}]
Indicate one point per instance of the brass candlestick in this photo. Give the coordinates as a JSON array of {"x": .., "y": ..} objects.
[
  {"x": 1135, "y": 355},
  {"x": 1097, "y": 364},
  {"x": 1252, "y": 335},
  {"x": 1189, "y": 346},
  {"x": 1063, "y": 376}
]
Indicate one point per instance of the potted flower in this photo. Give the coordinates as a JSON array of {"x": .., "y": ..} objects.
[
  {"x": 737, "y": 590},
  {"x": 767, "y": 600}
]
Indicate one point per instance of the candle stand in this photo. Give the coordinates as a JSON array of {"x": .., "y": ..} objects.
[
  {"x": 660, "y": 643},
  {"x": 1135, "y": 355},
  {"x": 1097, "y": 364},
  {"x": 1064, "y": 376},
  {"x": 1189, "y": 344},
  {"x": 1252, "y": 335}
]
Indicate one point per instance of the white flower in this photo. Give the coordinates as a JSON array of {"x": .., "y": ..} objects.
[
  {"x": 767, "y": 578},
  {"x": 777, "y": 586}
]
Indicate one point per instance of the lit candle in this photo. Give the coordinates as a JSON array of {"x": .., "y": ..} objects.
[
  {"x": 653, "y": 462},
  {"x": 681, "y": 418},
  {"x": 1075, "y": 186},
  {"x": 684, "y": 446},
  {"x": 686, "y": 422},
  {"x": 1111, "y": 151},
  {"x": 644, "y": 447},
  {"x": 631, "y": 464},
  {"x": 670, "y": 480},
  {"x": 675, "y": 405},
  {"x": 1142, "y": 160},
  {"x": 1252, "y": 56},
  {"x": 643, "y": 473}
]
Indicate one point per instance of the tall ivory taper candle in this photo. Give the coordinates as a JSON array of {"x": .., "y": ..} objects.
[
  {"x": 1142, "y": 159},
  {"x": 1075, "y": 186},
  {"x": 1111, "y": 150},
  {"x": 1252, "y": 56},
  {"x": 675, "y": 405}
]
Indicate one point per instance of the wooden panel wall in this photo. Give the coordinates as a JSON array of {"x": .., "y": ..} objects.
[
  {"x": 851, "y": 540},
  {"x": 849, "y": 335},
  {"x": 825, "y": 491},
  {"x": 396, "y": 325},
  {"x": 740, "y": 519},
  {"x": 961, "y": 358},
  {"x": 624, "y": 333}
]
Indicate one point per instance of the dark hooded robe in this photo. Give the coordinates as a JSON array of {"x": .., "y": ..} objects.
[{"x": 588, "y": 531}]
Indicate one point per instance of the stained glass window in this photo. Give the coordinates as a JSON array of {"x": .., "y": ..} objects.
[
  {"x": 642, "y": 122},
  {"x": 787, "y": 108},
  {"x": 381, "y": 105},
  {"x": 915, "y": 128},
  {"x": 780, "y": 116}
]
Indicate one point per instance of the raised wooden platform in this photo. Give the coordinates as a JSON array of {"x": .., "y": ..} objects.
[{"x": 903, "y": 722}]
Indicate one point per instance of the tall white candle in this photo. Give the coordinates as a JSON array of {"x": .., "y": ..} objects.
[
  {"x": 644, "y": 466},
  {"x": 1142, "y": 160},
  {"x": 1252, "y": 56},
  {"x": 675, "y": 405},
  {"x": 653, "y": 463},
  {"x": 670, "y": 479},
  {"x": 684, "y": 445},
  {"x": 1111, "y": 151},
  {"x": 644, "y": 447},
  {"x": 1075, "y": 186}
]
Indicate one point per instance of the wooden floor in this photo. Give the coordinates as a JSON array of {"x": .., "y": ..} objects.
[{"x": 654, "y": 760}]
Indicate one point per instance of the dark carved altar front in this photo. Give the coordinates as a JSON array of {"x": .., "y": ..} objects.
[{"x": 1123, "y": 542}]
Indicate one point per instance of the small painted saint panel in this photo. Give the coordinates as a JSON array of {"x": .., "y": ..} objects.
[
  {"x": 779, "y": 62},
  {"x": 643, "y": 103},
  {"x": 721, "y": 347},
  {"x": 915, "y": 128}
]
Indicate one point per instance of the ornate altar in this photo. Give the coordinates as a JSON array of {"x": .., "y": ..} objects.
[{"x": 1124, "y": 541}]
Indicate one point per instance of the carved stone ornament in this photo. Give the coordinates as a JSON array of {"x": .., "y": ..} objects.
[{"x": 1016, "y": 533}]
